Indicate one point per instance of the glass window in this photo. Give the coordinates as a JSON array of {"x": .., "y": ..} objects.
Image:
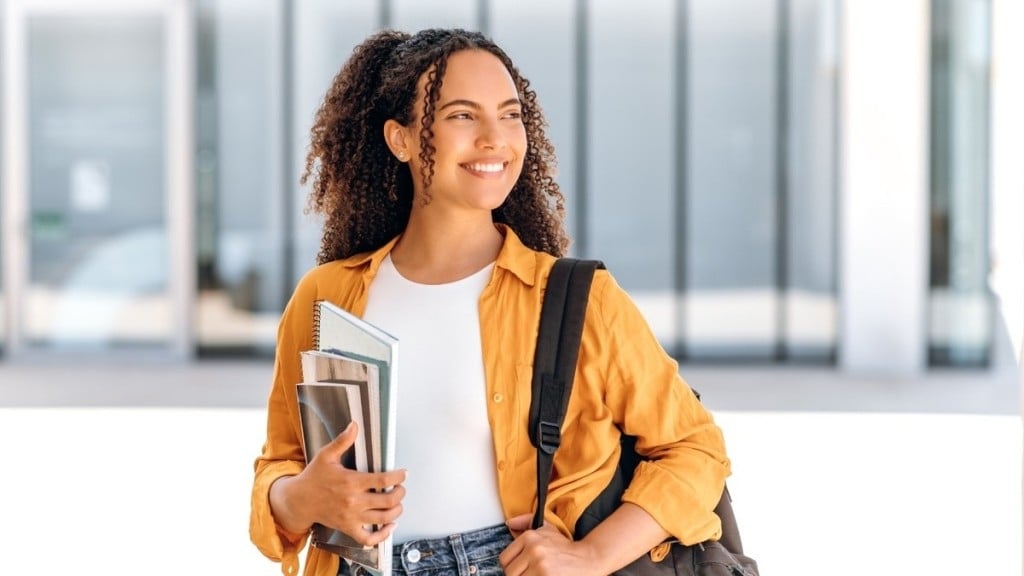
[
  {"x": 960, "y": 305},
  {"x": 539, "y": 37},
  {"x": 414, "y": 15},
  {"x": 3, "y": 191},
  {"x": 630, "y": 169},
  {"x": 240, "y": 216},
  {"x": 731, "y": 299},
  {"x": 747, "y": 271},
  {"x": 98, "y": 233},
  {"x": 810, "y": 317},
  {"x": 759, "y": 181},
  {"x": 325, "y": 33}
]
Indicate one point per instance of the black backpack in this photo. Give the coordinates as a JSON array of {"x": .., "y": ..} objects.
[{"x": 561, "y": 326}]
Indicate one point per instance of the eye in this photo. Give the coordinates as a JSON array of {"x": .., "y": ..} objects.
[
  {"x": 514, "y": 115},
  {"x": 460, "y": 116}
]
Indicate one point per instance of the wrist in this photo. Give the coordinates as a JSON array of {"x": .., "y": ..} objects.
[
  {"x": 285, "y": 506},
  {"x": 596, "y": 557}
]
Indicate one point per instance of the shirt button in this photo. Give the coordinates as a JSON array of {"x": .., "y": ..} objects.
[
  {"x": 501, "y": 466},
  {"x": 413, "y": 555},
  {"x": 498, "y": 398},
  {"x": 472, "y": 568}
]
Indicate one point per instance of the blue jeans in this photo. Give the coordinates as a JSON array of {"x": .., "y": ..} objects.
[{"x": 467, "y": 554}]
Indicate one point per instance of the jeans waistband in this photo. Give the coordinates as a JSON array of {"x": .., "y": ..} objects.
[{"x": 463, "y": 548}]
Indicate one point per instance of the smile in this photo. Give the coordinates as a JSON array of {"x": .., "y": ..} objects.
[{"x": 486, "y": 167}]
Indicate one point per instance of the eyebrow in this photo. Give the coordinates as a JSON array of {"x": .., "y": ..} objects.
[{"x": 477, "y": 106}]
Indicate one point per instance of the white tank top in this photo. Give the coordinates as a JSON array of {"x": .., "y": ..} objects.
[{"x": 443, "y": 438}]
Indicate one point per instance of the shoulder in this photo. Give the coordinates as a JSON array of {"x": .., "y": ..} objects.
[
  {"x": 319, "y": 280},
  {"x": 338, "y": 281},
  {"x": 603, "y": 285},
  {"x": 609, "y": 303},
  {"x": 328, "y": 278}
]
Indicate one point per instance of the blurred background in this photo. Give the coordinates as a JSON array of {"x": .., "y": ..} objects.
[
  {"x": 777, "y": 181},
  {"x": 818, "y": 205}
]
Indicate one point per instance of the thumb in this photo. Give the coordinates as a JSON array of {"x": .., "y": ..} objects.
[
  {"x": 342, "y": 442},
  {"x": 520, "y": 523}
]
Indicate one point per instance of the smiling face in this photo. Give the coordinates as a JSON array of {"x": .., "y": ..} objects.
[{"x": 479, "y": 139}]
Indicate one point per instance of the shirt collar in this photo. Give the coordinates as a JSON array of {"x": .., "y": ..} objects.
[
  {"x": 514, "y": 257},
  {"x": 373, "y": 258}
]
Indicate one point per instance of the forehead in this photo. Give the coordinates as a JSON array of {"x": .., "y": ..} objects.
[{"x": 475, "y": 75}]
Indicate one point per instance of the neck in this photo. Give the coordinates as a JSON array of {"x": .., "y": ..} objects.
[{"x": 438, "y": 252}]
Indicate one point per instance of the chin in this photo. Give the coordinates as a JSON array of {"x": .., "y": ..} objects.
[
  {"x": 489, "y": 199},
  {"x": 498, "y": 202}
]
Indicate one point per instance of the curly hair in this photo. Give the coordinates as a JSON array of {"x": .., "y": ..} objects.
[{"x": 364, "y": 193}]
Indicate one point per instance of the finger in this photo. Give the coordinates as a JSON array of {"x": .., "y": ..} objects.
[
  {"x": 388, "y": 499},
  {"x": 509, "y": 554},
  {"x": 516, "y": 568},
  {"x": 385, "y": 480},
  {"x": 520, "y": 523},
  {"x": 376, "y": 537},
  {"x": 342, "y": 442},
  {"x": 373, "y": 507},
  {"x": 381, "y": 517},
  {"x": 360, "y": 524}
]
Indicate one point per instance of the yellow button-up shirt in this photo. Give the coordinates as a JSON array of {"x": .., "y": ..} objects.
[{"x": 624, "y": 381}]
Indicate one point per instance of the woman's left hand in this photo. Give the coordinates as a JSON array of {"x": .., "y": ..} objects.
[{"x": 545, "y": 551}]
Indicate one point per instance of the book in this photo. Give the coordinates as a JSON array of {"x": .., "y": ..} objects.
[
  {"x": 350, "y": 375},
  {"x": 335, "y": 391}
]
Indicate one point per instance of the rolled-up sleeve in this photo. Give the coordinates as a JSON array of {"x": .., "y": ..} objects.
[
  {"x": 282, "y": 453},
  {"x": 683, "y": 475}
]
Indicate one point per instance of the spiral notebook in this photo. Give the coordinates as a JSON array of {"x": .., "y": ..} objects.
[{"x": 343, "y": 343}]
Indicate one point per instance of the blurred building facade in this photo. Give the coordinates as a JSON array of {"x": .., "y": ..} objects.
[{"x": 776, "y": 181}]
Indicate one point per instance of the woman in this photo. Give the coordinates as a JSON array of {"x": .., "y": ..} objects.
[{"x": 431, "y": 168}]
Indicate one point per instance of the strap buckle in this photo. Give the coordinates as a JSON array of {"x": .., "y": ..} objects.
[{"x": 549, "y": 437}]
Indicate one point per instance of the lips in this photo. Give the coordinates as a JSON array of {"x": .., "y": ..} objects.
[{"x": 487, "y": 168}]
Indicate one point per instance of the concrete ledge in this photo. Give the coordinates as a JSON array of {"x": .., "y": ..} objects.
[{"x": 245, "y": 384}]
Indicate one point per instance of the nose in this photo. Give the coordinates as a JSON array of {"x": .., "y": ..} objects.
[{"x": 491, "y": 136}]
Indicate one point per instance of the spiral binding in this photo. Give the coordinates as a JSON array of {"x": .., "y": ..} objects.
[{"x": 316, "y": 324}]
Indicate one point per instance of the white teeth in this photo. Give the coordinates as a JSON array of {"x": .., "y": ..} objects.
[{"x": 492, "y": 167}]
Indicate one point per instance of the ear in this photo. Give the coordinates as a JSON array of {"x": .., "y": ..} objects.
[{"x": 397, "y": 139}]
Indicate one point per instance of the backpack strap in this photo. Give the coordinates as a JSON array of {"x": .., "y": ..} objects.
[{"x": 554, "y": 364}]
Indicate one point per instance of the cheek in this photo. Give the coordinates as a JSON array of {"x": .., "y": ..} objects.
[{"x": 520, "y": 140}]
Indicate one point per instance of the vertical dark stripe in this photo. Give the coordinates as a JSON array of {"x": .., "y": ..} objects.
[
  {"x": 581, "y": 128},
  {"x": 937, "y": 162},
  {"x": 384, "y": 16},
  {"x": 289, "y": 183},
  {"x": 207, "y": 139},
  {"x": 781, "y": 176},
  {"x": 837, "y": 127},
  {"x": 483, "y": 16},
  {"x": 681, "y": 175}
]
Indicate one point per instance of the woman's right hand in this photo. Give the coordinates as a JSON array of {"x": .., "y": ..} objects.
[{"x": 327, "y": 493}]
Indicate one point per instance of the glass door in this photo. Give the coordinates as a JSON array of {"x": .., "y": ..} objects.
[{"x": 98, "y": 178}]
